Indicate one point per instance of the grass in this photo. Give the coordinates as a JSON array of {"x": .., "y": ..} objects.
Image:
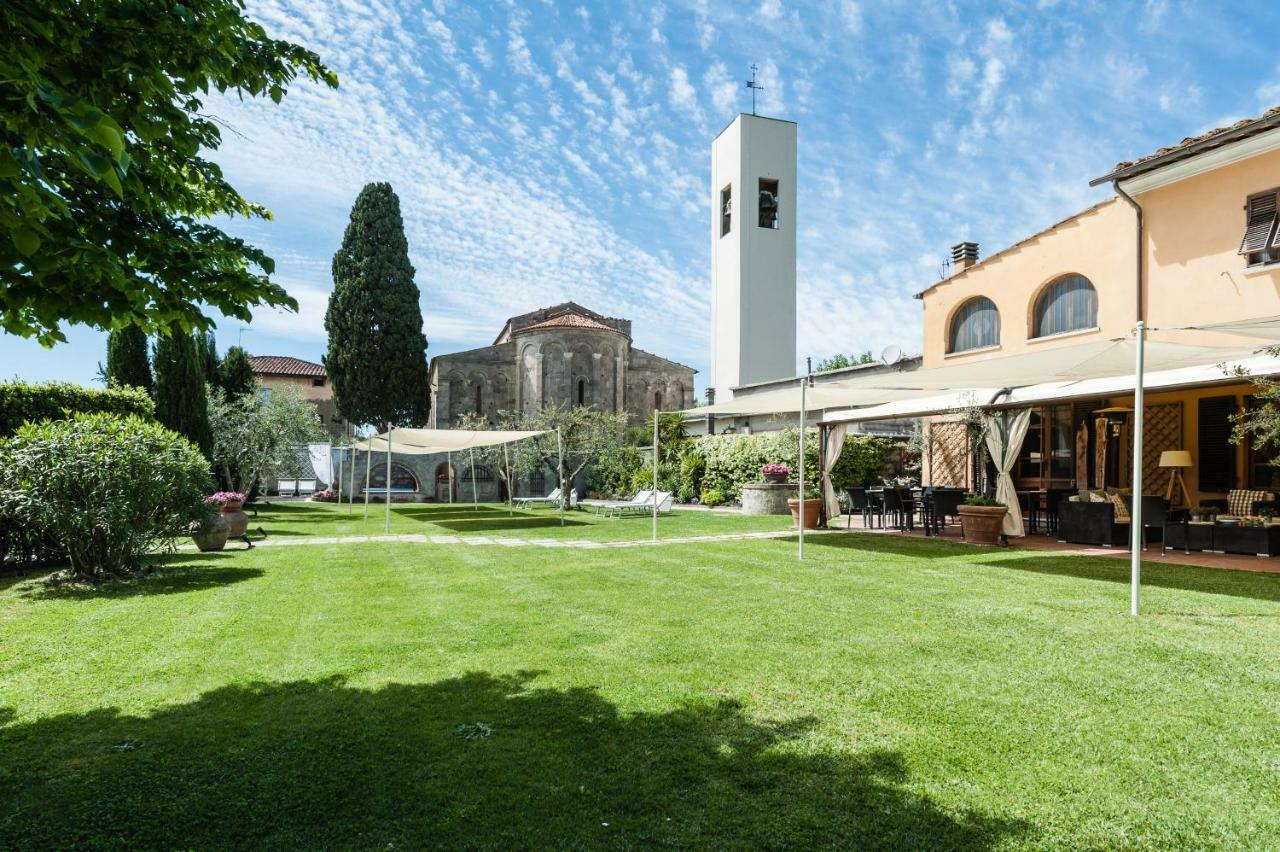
[
  {"x": 282, "y": 520},
  {"x": 885, "y": 693}
]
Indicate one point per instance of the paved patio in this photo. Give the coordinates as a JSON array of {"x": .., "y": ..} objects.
[{"x": 1050, "y": 544}]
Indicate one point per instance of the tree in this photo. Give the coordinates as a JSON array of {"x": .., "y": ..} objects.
[
  {"x": 585, "y": 434},
  {"x": 105, "y": 201},
  {"x": 127, "y": 362},
  {"x": 252, "y": 437},
  {"x": 235, "y": 374},
  {"x": 377, "y": 352},
  {"x": 840, "y": 361},
  {"x": 1257, "y": 425},
  {"x": 181, "y": 398},
  {"x": 207, "y": 346}
]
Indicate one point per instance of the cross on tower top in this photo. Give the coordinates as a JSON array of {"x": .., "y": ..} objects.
[{"x": 754, "y": 87}]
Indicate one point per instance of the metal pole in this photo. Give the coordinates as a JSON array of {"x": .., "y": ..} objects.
[
  {"x": 1136, "y": 533},
  {"x": 351, "y": 492},
  {"x": 387, "y": 494},
  {"x": 804, "y": 383},
  {"x": 506, "y": 465},
  {"x": 335, "y": 484},
  {"x": 449, "y": 464},
  {"x": 475, "y": 499},
  {"x": 560, "y": 473},
  {"x": 368, "y": 460},
  {"x": 655, "y": 474}
]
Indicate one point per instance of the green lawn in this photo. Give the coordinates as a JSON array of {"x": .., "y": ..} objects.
[
  {"x": 885, "y": 693},
  {"x": 490, "y": 519}
]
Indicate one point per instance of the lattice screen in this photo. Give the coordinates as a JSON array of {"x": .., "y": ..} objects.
[
  {"x": 948, "y": 448},
  {"x": 1161, "y": 430}
]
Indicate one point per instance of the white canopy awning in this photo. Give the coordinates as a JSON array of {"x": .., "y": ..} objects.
[
  {"x": 1262, "y": 328},
  {"x": 1224, "y": 372},
  {"x": 428, "y": 441}
]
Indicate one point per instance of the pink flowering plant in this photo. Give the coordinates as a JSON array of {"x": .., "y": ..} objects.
[
  {"x": 222, "y": 498},
  {"x": 774, "y": 469}
]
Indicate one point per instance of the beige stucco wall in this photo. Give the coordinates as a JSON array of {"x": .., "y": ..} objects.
[
  {"x": 321, "y": 396},
  {"x": 1098, "y": 244}
]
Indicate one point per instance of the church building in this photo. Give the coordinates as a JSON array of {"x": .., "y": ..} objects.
[{"x": 565, "y": 355}]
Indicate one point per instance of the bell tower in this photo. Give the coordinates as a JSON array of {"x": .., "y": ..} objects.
[{"x": 753, "y": 253}]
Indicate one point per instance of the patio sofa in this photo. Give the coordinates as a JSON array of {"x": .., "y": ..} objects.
[{"x": 1103, "y": 519}]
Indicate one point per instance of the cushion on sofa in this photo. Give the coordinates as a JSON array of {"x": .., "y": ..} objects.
[
  {"x": 1122, "y": 508},
  {"x": 1240, "y": 501}
]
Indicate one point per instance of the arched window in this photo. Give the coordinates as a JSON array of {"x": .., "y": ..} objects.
[
  {"x": 657, "y": 400},
  {"x": 582, "y": 391},
  {"x": 1068, "y": 304},
  {"x": 975, "y": 325},
  {"x": 479, "y": 398}
]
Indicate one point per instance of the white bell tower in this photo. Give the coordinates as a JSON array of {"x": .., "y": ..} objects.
[{"x": 753, "y": 253}]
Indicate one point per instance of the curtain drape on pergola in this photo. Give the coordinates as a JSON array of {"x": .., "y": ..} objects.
[
  {"x": 832, "y": 446},
  {"x": 1004, "y": 448}
]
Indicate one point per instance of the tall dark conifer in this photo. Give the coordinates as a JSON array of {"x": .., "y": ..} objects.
[
  {"x": 207, "y": 346},
  {"x": 235, "y": 373},
  {"x": 377, "y": 357},
  {"x": 127, "y": 362},
  {"x": 182, "y": 403}
]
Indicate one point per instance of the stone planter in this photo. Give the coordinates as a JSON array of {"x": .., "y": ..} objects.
[
  {"x": 812, "y": 512},
  {"x": 236, "y": 518},
  {"x": 982, "y": 524},
  {"x": 776, "y": 478},
  {"x": 766, "y": 498},
  {"x": 213, "y": 538}
]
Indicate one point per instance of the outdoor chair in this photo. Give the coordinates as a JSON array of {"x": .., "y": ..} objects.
[
  {"x": 530, "y": 502},
  {"x": 899, "y": 508},
  {"x": 946, "y": 504},
  {"x": 609, "y": 507},
  {"x": 1155, "y": 516},
  {"x": 859, "y": 502},
  {"x": 664, "y": 499}
]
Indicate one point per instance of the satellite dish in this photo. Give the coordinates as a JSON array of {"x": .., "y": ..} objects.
[{"x": 891, "y": 355}]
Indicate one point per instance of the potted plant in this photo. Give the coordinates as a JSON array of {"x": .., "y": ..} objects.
[
  {"x": 209, "y": 530},
  {"x": 812, "y": 509},
  {"x": 231, "y": 505},
  {"x": 982, "y": 519},
  {"x": 776, "y": 473}
]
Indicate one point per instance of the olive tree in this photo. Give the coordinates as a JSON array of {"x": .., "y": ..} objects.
[
  {"x": 253, "y": 435},
  {"x": 583, "y": 435}
]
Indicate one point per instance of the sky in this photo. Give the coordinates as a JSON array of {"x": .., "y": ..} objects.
[{"x": 549, "y": 151}]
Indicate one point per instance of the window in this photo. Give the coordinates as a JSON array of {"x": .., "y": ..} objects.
[
  {"x": 1067, "y": 304},
  {"x": 1261, "y": 243},
  {"x": 402, "y": 479},
  {"x": 479, "y": 398},
  {"x": 1264, "y": 474},
  {"x": 726, "y": 209},
  {"x": 768, "y": 203},
  {"x": 976, "y": 325},
  {"x": 657, "y": 400},
  {"x": 483, "y": 473},
  {"x": 582, "y": 391},
  {"x": 1048, "y": 451},
  {"x": 318, "y": 382},
  {"x": 1217, "y": 454}
]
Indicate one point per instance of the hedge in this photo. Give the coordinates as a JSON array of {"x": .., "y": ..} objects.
[
  {"x": 25, "y": 402},
  {"x": 732, "y": 460}
]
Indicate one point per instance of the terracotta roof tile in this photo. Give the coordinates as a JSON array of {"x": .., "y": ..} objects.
[
  {"x": 1228, "y": 134},
  {"x": 282, "y": 365},
  {"x": 569, "y": 320}
]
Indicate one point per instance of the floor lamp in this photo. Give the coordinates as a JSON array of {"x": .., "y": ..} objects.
[{"x": 1177, "y": 460}]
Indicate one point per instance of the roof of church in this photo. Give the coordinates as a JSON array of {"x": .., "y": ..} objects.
[
  {"x": 283, "y": 365},
  {"x": 569, "y": 320}
]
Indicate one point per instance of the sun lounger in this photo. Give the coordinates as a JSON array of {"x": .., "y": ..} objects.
[
  {"x": 665, "y": 500},
  {"x": 609, "y": 507},
  {"x": 552, "y": 499}
]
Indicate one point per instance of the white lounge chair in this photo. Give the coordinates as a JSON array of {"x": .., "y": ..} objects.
[
  {"x": 552, "y": 499},
  {"x": 609, "y": 507},
  {"x": 664, "y": 499}
]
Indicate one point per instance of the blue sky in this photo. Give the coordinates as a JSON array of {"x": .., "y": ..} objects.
[{"x": 549, "y": 151}]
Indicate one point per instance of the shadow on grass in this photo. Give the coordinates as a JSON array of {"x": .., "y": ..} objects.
[
  {"x": 172, "y": 574},
  {"x": 1190, "y": 578},
  {"x": 505, "y": 524},
  {"x": 477, "y": 761}
]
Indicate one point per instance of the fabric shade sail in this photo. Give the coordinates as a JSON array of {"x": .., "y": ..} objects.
[
  {"x": 1261, "y": 328},
  {"x": 429, "y": 441}
]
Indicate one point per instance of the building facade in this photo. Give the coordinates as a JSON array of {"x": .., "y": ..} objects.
[
  {"x": 278, "y": 371},
  {"x": 1190, "y": 238},
  {"x": 562, "y": 355}
]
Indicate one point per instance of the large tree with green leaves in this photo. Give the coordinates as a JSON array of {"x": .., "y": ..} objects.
[
  {"x": 377, "y": 358},
  {"x": 105, "y": 200},
  {"x": 573, "y": 437},
  {"x": 182, "y": 400},
  {"x": 235, "y": 374},
  {"x": 127, "y": 361}
]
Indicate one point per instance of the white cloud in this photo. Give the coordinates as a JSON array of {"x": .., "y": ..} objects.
[
  {"x": 851, "y": 16},
  {"x": 721, "y": 89},
  {"x": 684, "y": 96},
  {"x": 771, "y": 10}
]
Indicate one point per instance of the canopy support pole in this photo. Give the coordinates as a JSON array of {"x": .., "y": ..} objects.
[
  {"x": 475, "y": 499},
  {"x": 560, "y": 473},
  {"x": 655, "y": 474},
  {"x": 351, "y": 495},
  {"x": 368, "y": 460},
  {"x": 506, "y": 465},
  {"x": 1136, "y": 532},
  {"x": 387, "y": 493},
  {"x": 804, "y": 384},
  {"x": 335, "y": 484},
  {"x": 449, "y": 464}
]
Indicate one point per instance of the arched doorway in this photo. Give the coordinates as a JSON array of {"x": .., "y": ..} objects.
[{"x": 443, "y": 481}]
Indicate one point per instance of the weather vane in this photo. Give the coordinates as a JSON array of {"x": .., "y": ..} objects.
[{"x": 754, "y": 87}]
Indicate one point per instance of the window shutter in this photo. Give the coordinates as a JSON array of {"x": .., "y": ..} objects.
[
  {"x": 1217, "y": 460},
  {"x": 1259, "y": 232}
]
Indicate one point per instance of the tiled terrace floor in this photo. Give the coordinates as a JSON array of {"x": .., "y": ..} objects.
[{"x": 1050, "y": 543}]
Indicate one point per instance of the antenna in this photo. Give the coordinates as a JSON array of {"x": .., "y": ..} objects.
[
  {"x": 754, "y": 87},
  {"x": 891, "y": 355}
]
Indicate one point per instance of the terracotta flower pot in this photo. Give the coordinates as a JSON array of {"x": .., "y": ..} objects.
[
  {"x": 982, "y": 524},
  {"x": 213, "y": 538},
  {"x": 237, "y": 519},
  {"x": 812, "y": 512}
]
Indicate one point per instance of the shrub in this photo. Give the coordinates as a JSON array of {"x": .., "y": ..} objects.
[
  {"x": 712, "y": 497},
  {"x": 108, "y": 489},
  {"x": 692, "y": 468},
  {"x": 26, "y": 402},
  {"x": 613, "y": 471}
]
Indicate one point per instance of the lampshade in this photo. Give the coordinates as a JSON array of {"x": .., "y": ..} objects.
[{"x": 1175, "y": 458}]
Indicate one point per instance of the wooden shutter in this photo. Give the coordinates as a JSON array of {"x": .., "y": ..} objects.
[
  {"x": 1217, "y": 461},
  {"x": 1261, "y": 227}
]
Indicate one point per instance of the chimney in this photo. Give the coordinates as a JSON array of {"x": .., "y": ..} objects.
[{"x": 963, "y": 255}]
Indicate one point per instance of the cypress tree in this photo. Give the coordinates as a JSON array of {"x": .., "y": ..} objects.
[
  {"x": 182, "y": 402},
  {"x": 207, "y": 346},
  {"x": 377, "y": 357},
  {"x": 235, "y": 373},
  {"x": 127, "y": 362}
]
